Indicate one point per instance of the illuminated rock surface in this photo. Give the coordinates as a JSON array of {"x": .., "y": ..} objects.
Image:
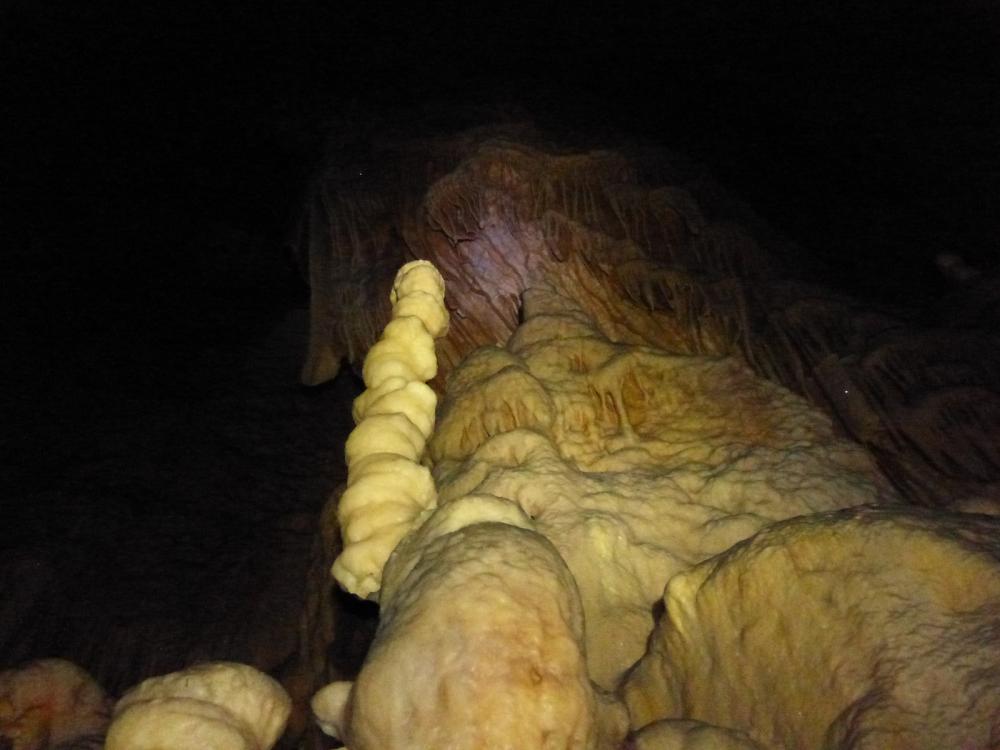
[
  {"x": 634, "y": 463},
  {"x": 682, "y": 734},
  {"x": 637, "y": 470},
  {"x": 387, "y": 487},
  {"x": 621, "y": 330},
  {"x": 479, "y": 647},
  {"x": 215, "y": 706},
  {"x": 655, "y": 253},
  {"x": 857, "y": 629},
  {"x": 631, "y": 376}
]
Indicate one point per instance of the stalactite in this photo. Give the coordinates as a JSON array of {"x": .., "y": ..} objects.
[{"x": 679, "y": 201}]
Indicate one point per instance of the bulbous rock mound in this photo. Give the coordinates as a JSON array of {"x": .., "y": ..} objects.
[
  {"x": 577, "y": 480},
  {"x": 480, "y": 648},
  {"x": 218, "y": 705},
  {"x": 857, "y": 629},
  {"x": 636, "y": 464}
]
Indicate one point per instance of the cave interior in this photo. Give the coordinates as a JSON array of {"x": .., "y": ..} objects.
[{"x": 206, "y": 208}]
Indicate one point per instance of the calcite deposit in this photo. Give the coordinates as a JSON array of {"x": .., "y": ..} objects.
[
  {"x": 858, "y": 629},
  {"x": 211, "y": 706},
  {"x": 480, "y": 645},
  {"x": 636, "y": 464},
  {"x": 580, "y": 482},
  {"x": 684, "y": 734},
  {"x": 638, "y": 411},
  {"x": 387, "y": 486},
  {"x": 656, "y": 254}
]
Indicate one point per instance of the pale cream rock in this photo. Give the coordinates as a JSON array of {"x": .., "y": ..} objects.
[
  {"x": 634, "y": 463},
  {"x": 384, "y": 433},
  {"x": 385, "y": 478},
  {"x": 417, "y": 277},
  {"x": 219, "y": 705},
  {"x": 680, "y": 734},
  {"x": 406, "y": 341},
  {"x": 426, "y": 306},
  {"x": 178, "y": 724},
  {"x": 628, "y": 467},
  {"x": 369, "y": 395},
  {"x": 358, "y": 568},
  {"x": 388, "y": 487},
  {"x": 413, "y": 399},
  {"x": 575, "y": 478},
  {"x": 858, "y": 629},
  {"x": 385, "y": 495},
  {"x": 456, "y": 515},
  {"x": 329, "y": 708},
  {"x": 479, "y": 647},
  {"x": 491, "y": 393},
  {"x": 48, "y": 702},
  {"x": 389, "y": 363},
  {"x": 379, "y": 518}
]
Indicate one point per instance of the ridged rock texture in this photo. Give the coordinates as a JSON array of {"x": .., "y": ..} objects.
[
  {"x": 634, "y": 463},
  {"x": 217, "y": 705},
  {"x": 627, "y": 380},
  {"x": 858, "y": 629},
  {"x": 656, "y": 254},
  {"x": 388, "y": 488}
]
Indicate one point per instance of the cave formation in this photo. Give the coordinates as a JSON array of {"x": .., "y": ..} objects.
[
  {"x": 621, "y": 329},
  {"x": 638, "y": 374},
  {"x": 657, "y": 254}
]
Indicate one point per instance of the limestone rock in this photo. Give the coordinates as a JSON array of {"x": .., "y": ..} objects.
[
  {"x": 860, "y": 629},
  {"x": 635, "y": 463},
  {"x": 679, "y": 734},
  {"x": 220, "y": 705},
  {"x": 682, "y": 267},
  {"x": 480, "y": 646},
  {"x": 388, "y": 488}
]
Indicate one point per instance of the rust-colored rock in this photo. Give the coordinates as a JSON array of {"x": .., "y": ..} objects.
[{"x": 679, "y": 266}]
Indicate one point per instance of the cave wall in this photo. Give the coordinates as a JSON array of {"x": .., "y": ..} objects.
[
  {"x": 653, "y": 254},
  {"x": 656, "y": 253},
  {"x": 579, "y": 484}
]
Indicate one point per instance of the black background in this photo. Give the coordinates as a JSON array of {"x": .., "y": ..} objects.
[
  {"x": 868, "y": 132},
  {"x": 155, "y": 449}
]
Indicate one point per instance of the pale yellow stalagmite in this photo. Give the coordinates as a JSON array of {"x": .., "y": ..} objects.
[{"x": 388, "y": 487}]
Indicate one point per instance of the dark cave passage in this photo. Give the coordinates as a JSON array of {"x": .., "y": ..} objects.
[{"x": 163, "y": 496}]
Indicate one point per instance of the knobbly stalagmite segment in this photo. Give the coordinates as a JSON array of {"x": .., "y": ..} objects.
[{"x": 387, "y": 486}]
